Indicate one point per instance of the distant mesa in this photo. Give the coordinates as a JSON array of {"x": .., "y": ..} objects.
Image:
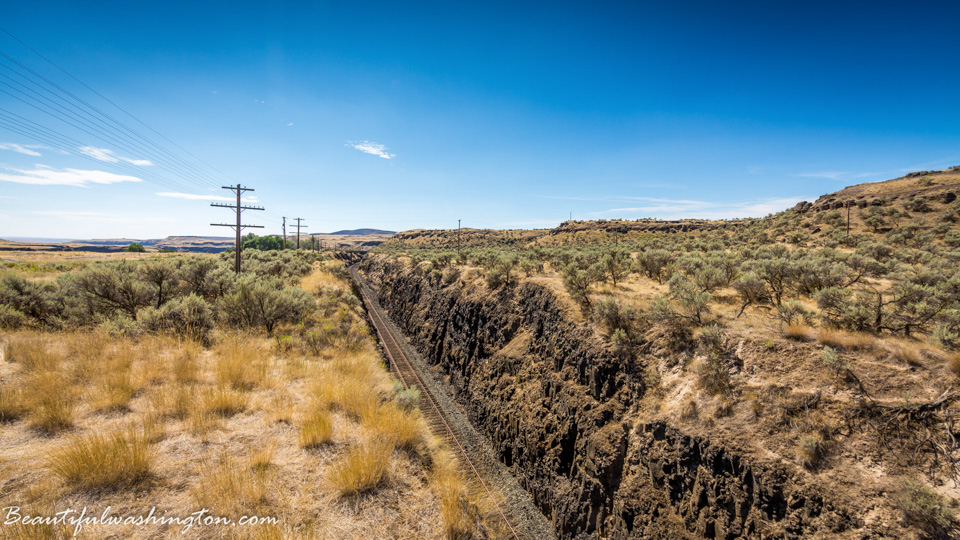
[{"x": 357, "y": 232}]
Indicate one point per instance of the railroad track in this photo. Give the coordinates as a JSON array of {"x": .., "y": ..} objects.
[{"x": 409, "y": 377}]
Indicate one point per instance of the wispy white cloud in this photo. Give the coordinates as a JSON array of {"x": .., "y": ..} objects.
[
  {"x": 372, "y": 148},
  {"x": 109, "y": 156},
  {"x": 289, "y": 124},
  {"x": 682, "y": 208},
  {"x": 195, "y": 197},
  {"x": 25, "y": 149},
  {"x": 43, "y": 175}
]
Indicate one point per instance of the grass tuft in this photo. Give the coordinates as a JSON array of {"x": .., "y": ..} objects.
[
  {"x": 238, "y": 364},
  {"x": 811, "y": 450},
  {"x": 399, "y": 428},
  {"x": 798, "y": 332},
  {"x": 12, "y": 405},
  {"x": 224, "y": 402},
  {"x": 51, "y": 402},
  {"x": 185, "y": 367},
  {"x": 316, "y": 430},
  {"x": 456, "y": 510},
  {"x": 230, "y": 488},
  {"x": 362, "y": 468},
  {"x": 99, "y": 462},
  {"x": 114, "y": 392},
  {"x": 953, "y": 362},
  {"x": 854, "y": 341},
  {"x": 908, "y": 353}
]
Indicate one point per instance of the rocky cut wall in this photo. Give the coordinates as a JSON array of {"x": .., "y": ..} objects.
[{"x": 556, "y": 406}]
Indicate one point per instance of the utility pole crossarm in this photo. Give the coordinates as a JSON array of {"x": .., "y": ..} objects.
[
  {"x": 298, "y": 220},
  {"x": 235, "y": 207},
  {"x": 239, "y": 208}
]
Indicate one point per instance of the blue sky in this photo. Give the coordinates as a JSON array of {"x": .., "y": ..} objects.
[{"x": 502, "y": 115}]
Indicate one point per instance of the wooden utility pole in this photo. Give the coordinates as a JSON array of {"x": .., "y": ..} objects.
[
  {"x": 848, "y": 218},
  {"x": 458, "y": 238},
  {"x": 284, "y": 233},
  {"x": 238, "y": 227},
  {"x": 298, "y": 220}
]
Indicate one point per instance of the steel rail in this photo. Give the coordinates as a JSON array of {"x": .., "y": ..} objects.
[{"x": 384, "y": 332}]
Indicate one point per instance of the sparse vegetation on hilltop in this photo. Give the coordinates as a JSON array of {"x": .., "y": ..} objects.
[{"x": 829, "y": 331}]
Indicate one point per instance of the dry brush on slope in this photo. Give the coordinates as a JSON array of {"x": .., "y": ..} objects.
[{"x": 785, "y": 351}]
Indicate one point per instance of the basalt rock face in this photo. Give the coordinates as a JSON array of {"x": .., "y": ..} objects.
[{"x": 558, "y": 408}]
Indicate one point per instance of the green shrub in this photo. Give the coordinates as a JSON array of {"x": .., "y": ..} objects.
[
  {"x": 694, "y": 303},
  {"x": 189, "y": 317},
  {"x": 577, "y": 282},
  {"x": 114, "y": 287},
  {"x": 925, "y": 509},
  {"x": 793, "y": 312},
  {"x": 408, "y": 399},
  {"x": 118, "y": 325},
  {"x": 655, "y": 263},
  {"x": 135, "y": 247},
  {"x": 30, "y": 299},
  {"x": 10, "y": 318},
  {"x": 264, "y": 301}
]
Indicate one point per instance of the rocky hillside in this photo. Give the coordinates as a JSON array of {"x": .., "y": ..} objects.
[
  {"x": 790, "y": 375},
  {"x": 564, "y": 411}
]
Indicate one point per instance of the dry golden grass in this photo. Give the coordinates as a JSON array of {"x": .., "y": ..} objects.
[
  {"x": 240, "y": 363},
  {"x": 114, "y": 391},
  {"x": 97, "y": 462},
  {"x": 320, "y": 278},
  {"x": 349, "y": 394},
  {"x": 362, "y": 468},
  {"x": 854, "y": 341},
  {"x": 401, "y": 429},
  {"x": 85, "y": 352},
  {"x": 223, "y": 401},
  {"x": 316, "y": 429},
  {"x": 953, "y": 362},
  {"x": 456, "y": 508},
  {"x": 281, "y": 407},
  {"x": 183, "y": 398},
  {"x": 262, "y": 458},
  {"x": 799, "y": 332},
  {"x": 12, "y": 406},
  {"x": 233, "y": 487},
  {"x": 202, "y": 422},
  {"x": 185, "y": 366},
  {"x": 51, "y": 402},
  {"x": 33, "y": 353},
  {"x": 906, "y": 352},
  {"x": 192, "y": 406}
]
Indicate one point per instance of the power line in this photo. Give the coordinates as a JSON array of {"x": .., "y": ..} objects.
[
  {"x": 99, "y": 112},
  {"x": 27, "y": 128},
  {"x": 70, "y": 117},
  {"x": 118, "y": 107}
]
